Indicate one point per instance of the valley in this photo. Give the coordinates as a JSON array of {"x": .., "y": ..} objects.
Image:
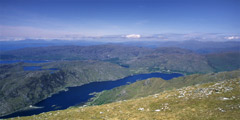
[
  {"x": 212, "y": 100},
  {"x": 30, "y": 87},
  {"x": 69, "y": 66},
  {"x": 155, "y": 85},
  {"x": 119, "y": 60},
  {"x": 78, "y": 96}
]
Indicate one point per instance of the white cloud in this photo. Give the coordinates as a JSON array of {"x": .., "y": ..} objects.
[
  {"x": 232, "y": 37},
  {"x": 133, "y": 36},
  {"x": 23, "y": 32}
]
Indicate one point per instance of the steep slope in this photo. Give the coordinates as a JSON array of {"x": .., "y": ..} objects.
[
  {"x": 19, "y": 88},
  {"x": 224, "y": 61},
  {"x": 171, "y": 59},
  {"x": 216, "y": 101},
  {"x": 155, "y": 85}
]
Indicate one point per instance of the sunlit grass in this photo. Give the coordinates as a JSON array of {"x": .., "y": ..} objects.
[{"x": 196, "y": 103}]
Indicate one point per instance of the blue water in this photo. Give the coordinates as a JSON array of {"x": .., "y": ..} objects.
[
  {"x": 32, "y": 68},
  {"x": 36, "y": 68},
  {"x": 80, "y": 95},
  {"x": 25, "y": 61}
]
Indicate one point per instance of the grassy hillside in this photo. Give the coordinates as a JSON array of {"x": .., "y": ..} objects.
[
  {"x": 171, "y": 59},
  {"x": 155, "y": 85},
  {"x": 215, "y": 100},
  {"x": 224, "y": 61},
  {"x": 19, "y": 88}
]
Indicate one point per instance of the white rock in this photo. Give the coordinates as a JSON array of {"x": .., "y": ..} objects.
[
  {"x": 141, "y": 109},
  {"x": 225, "y": 98},
  {"x": 157, "y": 110}
]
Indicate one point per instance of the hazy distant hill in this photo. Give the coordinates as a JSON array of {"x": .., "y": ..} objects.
[
  {"x": 98, "y": 52},
  {"x": 172, "y": 59},
  {"x": 194, "y": 45},
  {"x": 202, "y": 47},
  {"x": 13, "y": 45},
  {"x": 140, "y": 59},
  {"x": 224, "y": 61}
]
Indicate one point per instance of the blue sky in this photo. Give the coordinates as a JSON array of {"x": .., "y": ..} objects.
[{"x": 82, "y": 18}]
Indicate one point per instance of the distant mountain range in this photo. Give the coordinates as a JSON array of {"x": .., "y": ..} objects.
[
  {"x": 141, "y": 59},
  {"x": 194, "y": 45}
]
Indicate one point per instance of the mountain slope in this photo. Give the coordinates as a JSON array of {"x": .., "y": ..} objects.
[
  {"x": 219, "y": 100},
  {"x": 19, "y": 88},
  {"x": 98, "y": 63},
  {"x": 224, "y": 61},
  {"x": 155, "y": 85},
  {"x": 171, "y": 59}
]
